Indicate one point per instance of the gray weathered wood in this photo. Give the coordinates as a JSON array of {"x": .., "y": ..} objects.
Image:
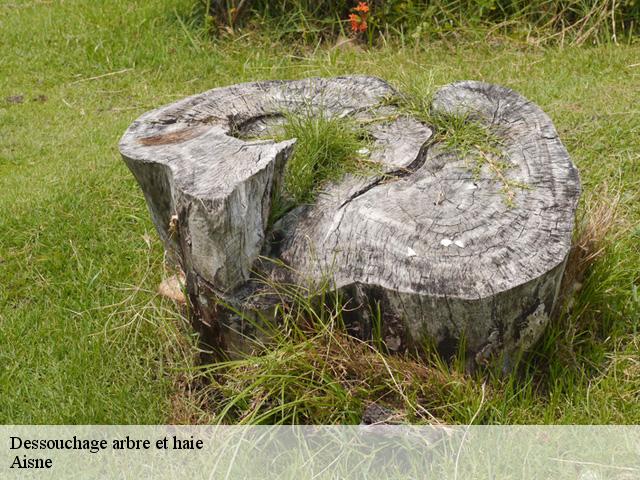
[{"x": 436, "y": 249}]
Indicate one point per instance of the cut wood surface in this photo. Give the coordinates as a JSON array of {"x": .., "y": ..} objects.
[{"x": 424, "y": 240}]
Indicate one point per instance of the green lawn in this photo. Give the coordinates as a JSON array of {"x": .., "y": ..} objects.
[{"x": 84, "y": 338}]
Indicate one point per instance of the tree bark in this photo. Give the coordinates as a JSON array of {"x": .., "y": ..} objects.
[{"x": 431, "y": 245}]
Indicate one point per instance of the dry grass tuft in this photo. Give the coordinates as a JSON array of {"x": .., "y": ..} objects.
[
  {"x": 189, "y": 405},
  {"x": 593, "y": 232}
]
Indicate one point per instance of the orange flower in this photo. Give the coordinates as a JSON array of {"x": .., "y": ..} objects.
[
  {"x": 362, "y": 7},
  {"x": 355, "y": 22},
  {"x": 359, "y": 20}
]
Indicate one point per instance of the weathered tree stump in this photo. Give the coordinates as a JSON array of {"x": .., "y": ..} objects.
[{"x": 431, "y": 245}]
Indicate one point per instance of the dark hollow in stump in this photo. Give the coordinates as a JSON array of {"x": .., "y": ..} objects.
[{"x": 424, "y": 240}]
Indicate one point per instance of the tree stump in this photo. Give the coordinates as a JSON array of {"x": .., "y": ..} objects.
[{"x": 428, "y": 243}]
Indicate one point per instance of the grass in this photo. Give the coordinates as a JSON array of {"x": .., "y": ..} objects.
[
  {"x": 311, "y": 371},
  {"x": 326, "y": 149},
  {"x": 84, "y": 338}
]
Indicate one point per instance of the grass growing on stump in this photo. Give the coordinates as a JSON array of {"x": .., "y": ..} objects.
[
  {"x": 325, "y": 150},
  {"x": 478, "y": 144},
  {"x": 481, "y": 147}
]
